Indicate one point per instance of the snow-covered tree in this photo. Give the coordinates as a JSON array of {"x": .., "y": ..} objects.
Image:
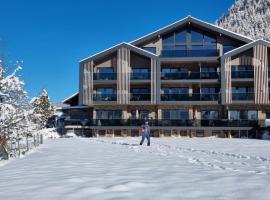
[
  {"x": 248, "y": 17},
  {"x": 42, "y": 107}
]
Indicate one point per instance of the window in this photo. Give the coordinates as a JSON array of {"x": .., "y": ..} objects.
[
  {"x": 208, "y": 69},
  {"x": 109, "y": 114},
  {"x": 150, "y": 49},
  {"x": 268, "y": 114},
  {"x": 181, "y": 37},
  {"x": 242, "y": 68},
  {"x": 140, "y": 73},
  {"x": 196, "y": 37},
  {"x": 209, "y": 114},
  {"x": 140, "y": 90},
  {"x": 105, "y": 70},
  {"x": 209, "y": 39},
  {"x": 104, "y": 90},
  {"x": 243, "y": 114},
  {"x": 209, "y": 90},
  {"x": 175, "y": 114},
  {"x": 242, "y": 89},
  {"x": 174, "y": 90},
  {"x": 168, "y": 40}
]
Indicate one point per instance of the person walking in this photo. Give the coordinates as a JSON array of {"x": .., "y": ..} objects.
[{"x": 145, "y": 133}]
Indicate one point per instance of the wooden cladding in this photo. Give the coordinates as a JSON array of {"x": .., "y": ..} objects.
[
  {"x": 153, "y": 81},
  {"x": 228, "y": 81},
  {"x": 123, "y": 76},
  {"x": 260, "y": 63},
  {"x": 87, "y": 83}
]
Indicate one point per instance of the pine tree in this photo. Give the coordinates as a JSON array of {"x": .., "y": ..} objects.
[{"x": 42, "y": 108}]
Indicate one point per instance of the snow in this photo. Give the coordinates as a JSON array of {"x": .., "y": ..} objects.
[
  {"x": 248, "y": 17},
  {"x": 117, "y": 168}
]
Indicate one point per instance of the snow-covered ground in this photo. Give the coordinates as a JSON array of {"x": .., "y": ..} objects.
[{"x": 117, "y": 168}]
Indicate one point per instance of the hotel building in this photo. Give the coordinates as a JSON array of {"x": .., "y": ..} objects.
[{"x": 190, "y": 78}]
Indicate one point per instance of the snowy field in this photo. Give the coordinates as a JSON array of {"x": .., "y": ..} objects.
[{"x": 117, "y": 168}]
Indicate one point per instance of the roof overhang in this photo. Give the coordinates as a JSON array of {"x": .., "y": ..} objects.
[
  {"x": 118, "y": 46},
  {"x": 245, "y": 48},
  {"x": 72, "y": 100},
  {"x": 194, "y": 21}
]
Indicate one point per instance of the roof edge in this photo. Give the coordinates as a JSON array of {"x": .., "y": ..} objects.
[{"x": 246, "y": 47}]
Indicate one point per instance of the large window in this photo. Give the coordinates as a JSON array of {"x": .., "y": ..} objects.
[
  {"x": 177, "y": 43},
  {"x": 175, "y": 114},
  {"x": 243, "y": 114},
  {"x": 140, "y": 74}
]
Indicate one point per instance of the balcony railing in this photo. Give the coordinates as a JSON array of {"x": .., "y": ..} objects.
[
  {"x": 105, "y": 97},
  {"x": 190, "y": 53},
  {"x": 140, "y": 97},
  {"x": 105, "y": 76},
  {"x": 243, "y": 74},
  {"x": 140, "y": 76},
  {"x": 243, "y": 96},
  {"x": 175, "y": 123},
  {"x": 189, "y": 75},
  {"x": 190, "y": 97}
]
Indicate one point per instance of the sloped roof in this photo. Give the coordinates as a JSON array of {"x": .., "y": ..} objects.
[
  {"x": 192, "y": 20},
  {"x": 73, "y": 99},
  {"x": 114, "y": 48},
  {"x": 246, "y": 47}
]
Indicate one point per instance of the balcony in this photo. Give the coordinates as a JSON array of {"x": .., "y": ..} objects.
[
  {"x": 140, "y": 76},
  {"x": 189, "y": 75},
  {"x": 104, "y": 97},
  {"x": 243, "y": 74},
  {"x": 190, "y": 53},
  {"x": 175, "y": 123},
  {"x": 140, "y": 97},
  {"x": 190, "y": 97},
  {"x": 105, "y": 76},
  {"x": 243, "y": 96}
]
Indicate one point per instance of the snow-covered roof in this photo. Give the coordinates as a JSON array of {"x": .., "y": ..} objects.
[
  {"x": 196, "y": 21},
  {"x": 246, "y": 47},
  {"x": 114, "y": 48}
]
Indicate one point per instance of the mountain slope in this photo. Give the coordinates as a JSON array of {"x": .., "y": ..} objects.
[{"x": 248, "y": 17}]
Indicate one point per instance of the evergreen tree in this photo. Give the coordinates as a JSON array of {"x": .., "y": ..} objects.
[{"x": 42, "y": 108}]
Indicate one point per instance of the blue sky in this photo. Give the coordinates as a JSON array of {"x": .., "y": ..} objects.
[{"x": 51, "y": 36}]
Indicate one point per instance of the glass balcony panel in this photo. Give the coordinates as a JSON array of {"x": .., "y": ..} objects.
[
  {"x": 104, "y": 97},
  {"x": 140, "y": 76},
  {"x": 243, "y": 74},
  {"x": 190, "y": 97},
  {"x": 105, "y": 76},
  {"x": 242, "y": 96},
  {"x": 174, "y": 122},
  {"x": 190, "y": 53},
  {"x": 188, "y": 75},
  {"x": 140, "y": 97}
]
